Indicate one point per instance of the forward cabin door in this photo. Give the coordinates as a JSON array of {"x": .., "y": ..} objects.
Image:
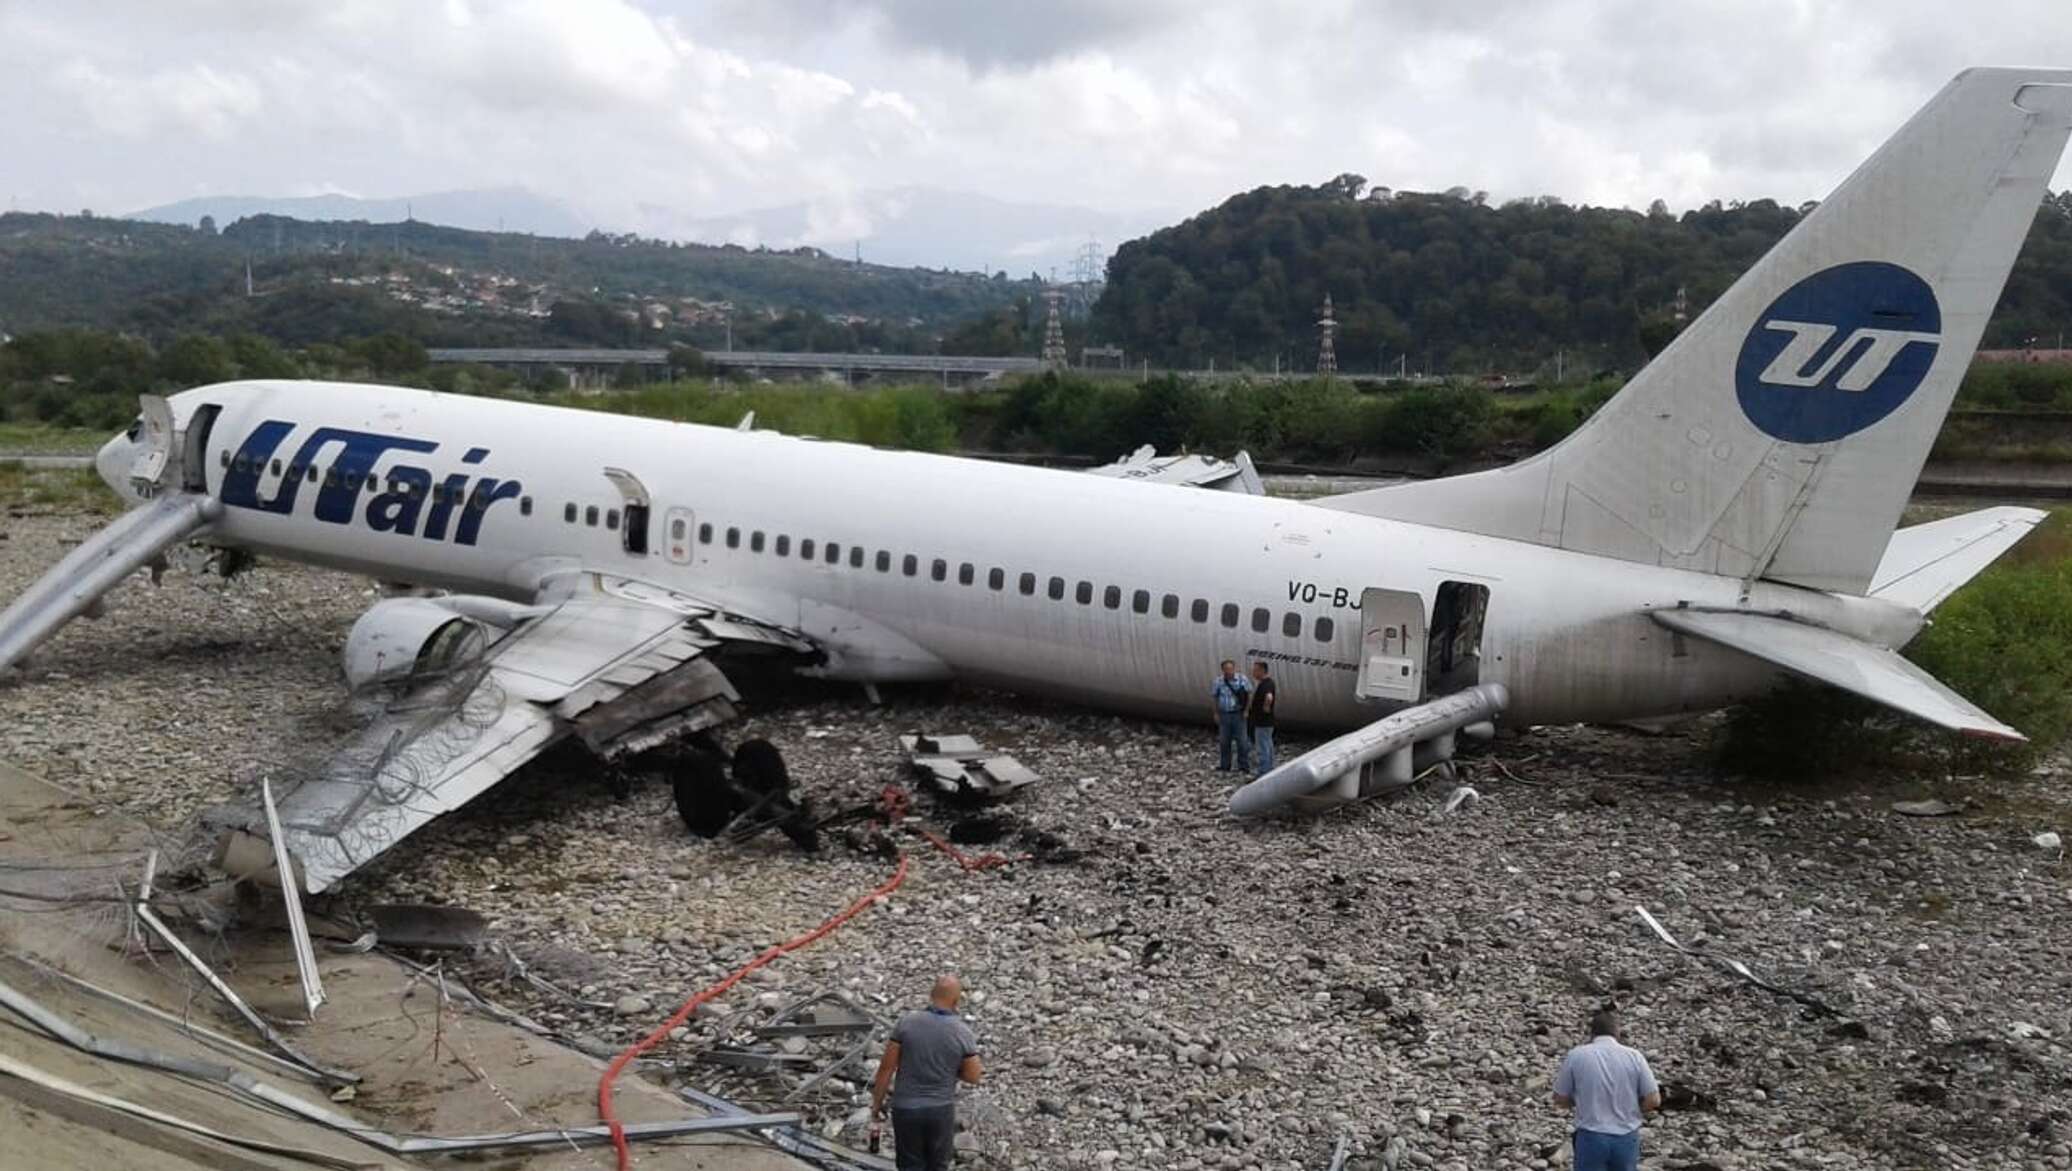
[
  {"x": 1392, "y": 646},
  {"x": 636, "y": 506}
]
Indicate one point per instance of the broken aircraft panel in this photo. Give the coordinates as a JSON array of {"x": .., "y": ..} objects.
[
  {"x": 622, "y": 668},
  {"x": 1198, "y": 471},
  {"x": 959, "y": 767}
]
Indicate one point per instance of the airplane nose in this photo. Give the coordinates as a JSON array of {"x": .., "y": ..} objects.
[{"x": 112, "y": 464}]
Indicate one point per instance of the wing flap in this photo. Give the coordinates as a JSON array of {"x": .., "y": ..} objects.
[
  {"x": 622, "y": 674},
  {"x": 1925, "y": 563},
  {"x": 1873, "y": 672}
]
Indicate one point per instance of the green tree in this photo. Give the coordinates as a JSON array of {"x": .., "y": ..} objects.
[{"x": 196, "y": 360}]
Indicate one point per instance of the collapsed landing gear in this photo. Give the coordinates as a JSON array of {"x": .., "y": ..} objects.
[{"x": 742, "y": 797}]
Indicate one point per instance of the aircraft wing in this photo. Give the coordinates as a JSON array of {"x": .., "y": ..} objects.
[
  {"x": 1853, "y": 665},
  {"x": 1925, "y": 563},
  {"x": 622, "y": 664}
]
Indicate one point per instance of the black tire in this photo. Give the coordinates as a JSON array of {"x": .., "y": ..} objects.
[
  {"x": 759, "y": 769},
  {"x": 703, "y": 798}
]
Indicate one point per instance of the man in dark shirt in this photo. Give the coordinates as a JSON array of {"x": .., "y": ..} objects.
[
  {"x": 1259, "y": 718},
  {"x": 930, "y": 1051}
]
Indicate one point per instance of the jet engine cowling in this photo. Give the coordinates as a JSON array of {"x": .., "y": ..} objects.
[{"x": 401, "y": 637}]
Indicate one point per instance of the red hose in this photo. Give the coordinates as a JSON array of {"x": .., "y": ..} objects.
[
  {"x": 611, "y": 1074},
  {"x": 894, "y": 799}
]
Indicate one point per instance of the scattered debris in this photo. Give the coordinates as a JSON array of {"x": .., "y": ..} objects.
[
  {"x": 428, "y": 927},
  {"x": 1932, "y": 807},
  {"x": 1683, "y": 1096},
  {"x": 1146, "y": 466},
  {"x": 1463, "y": 795},
  {"x": 2024, "y": 1031},
  {"x": 1340, "y": 1151},
  {"x": 961, "y": 769},
  {"x": 291, "y": 897},
  {"x": 142, "y": 909},
  {"x": 823, "y": 1041},
  {"x": 2049, "y": 840},
  {"x": 1734, "y": 966}
]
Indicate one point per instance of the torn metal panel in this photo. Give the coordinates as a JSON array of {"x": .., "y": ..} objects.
[
  {"x": 92, "y": 1107},
  {"x": 428, "y": 927},
  {"x": 793, "y": 1139},
  {"x": 1733, "y": 966},
  {"x": 958, "y": 766},
  {"x": 1145, "y": 465},
  {"x": 142, "y": 909},
  {"x": 755, "y": 1061},
  {"x": 241, "y": 1083},
  {"x": 619, "y": 663},
  {"x": 689, "y": 697},
  {"x": 291, "y": 895}
]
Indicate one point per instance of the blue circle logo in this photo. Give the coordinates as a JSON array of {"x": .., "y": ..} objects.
[{"x": 1838, "y": 351}]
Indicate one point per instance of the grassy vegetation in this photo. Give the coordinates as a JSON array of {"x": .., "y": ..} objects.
[
  {"x": 2004, "y": 642},
  {"x": 59, "y": 489},
  {"x": 41, "y": 439},
  {"x": 915, "y": 418},
  {"x": 1335, "y": 421}
]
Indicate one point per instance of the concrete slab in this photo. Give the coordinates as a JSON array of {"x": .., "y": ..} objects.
[{"x": 427, "y": 1067}]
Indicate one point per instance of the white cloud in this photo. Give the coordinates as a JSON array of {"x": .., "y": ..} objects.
[
  {"x": 196, "y": 100},
  {"x": 644, "y": 111}
]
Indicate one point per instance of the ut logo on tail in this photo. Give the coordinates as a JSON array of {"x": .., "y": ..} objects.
[{"x": 1798, "y": 383}]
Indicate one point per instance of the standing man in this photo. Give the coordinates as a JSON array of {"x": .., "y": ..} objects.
[
  {"x": 1608, "y": 1086},
  {"x": 930, "y": 1051},
  {"x": 1259, "y": 717},
  {"x": 1229, "y": 694}
]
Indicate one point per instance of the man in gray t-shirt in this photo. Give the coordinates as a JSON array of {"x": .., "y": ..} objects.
[
  {"x": 1608, "y": 1085},
  {"x": 930, "y": 1052}
]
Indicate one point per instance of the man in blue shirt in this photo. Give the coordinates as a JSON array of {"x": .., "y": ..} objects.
[
  {"x": 1230, "y": 693},
  {"x": 1608, "y": 1086}
]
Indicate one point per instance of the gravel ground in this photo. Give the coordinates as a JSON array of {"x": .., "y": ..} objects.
[{"x": 1191, "y": 991}]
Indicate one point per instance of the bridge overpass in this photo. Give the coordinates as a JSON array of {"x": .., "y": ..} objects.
[{"x": 595, "y": 362}]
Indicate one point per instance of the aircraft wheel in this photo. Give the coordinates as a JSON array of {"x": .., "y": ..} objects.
[
  {"x": 703, "y": 798},
  {"x": 759, "y": 769}
]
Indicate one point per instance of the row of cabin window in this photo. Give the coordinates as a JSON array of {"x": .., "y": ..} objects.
[
  {"x": 353, "y": 481},
  {"x": 996, "y": 579}
]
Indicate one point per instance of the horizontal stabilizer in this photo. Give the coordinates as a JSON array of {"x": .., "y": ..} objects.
[
  {"x": 1873, "y": 672},
  {"x": 1926, "y": 563}
]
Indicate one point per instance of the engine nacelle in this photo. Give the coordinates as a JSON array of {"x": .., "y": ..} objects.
[{"x": 402, "y": 636}]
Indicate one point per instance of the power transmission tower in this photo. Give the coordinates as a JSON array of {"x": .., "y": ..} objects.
[
  {"x": 1054, "y": 329},
  {"x": 1087, "y": 269},
  {"x": 1327, "y": 330}
]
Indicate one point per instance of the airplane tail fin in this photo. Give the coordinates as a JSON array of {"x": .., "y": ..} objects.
[{"x": 1779, "y": 436}]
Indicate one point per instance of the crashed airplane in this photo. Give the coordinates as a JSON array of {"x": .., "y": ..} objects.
[{"x": 1726, "y": 520}]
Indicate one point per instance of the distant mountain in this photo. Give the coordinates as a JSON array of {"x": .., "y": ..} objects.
[
  {"x": 920, "y": 226},
  {"x": 302, "y": 282},
  {"x": 501, "y": 209}
]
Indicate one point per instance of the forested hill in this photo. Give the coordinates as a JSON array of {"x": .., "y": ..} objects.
[
  {"x": 1460, "y": 286},
  {"x": 330, "y": 281}
]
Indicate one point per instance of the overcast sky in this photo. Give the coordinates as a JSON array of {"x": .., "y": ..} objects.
[{"x": 1138, "y": 105}]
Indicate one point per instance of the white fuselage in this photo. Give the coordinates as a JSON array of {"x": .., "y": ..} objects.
[{"x": 1566, "y": 633}]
